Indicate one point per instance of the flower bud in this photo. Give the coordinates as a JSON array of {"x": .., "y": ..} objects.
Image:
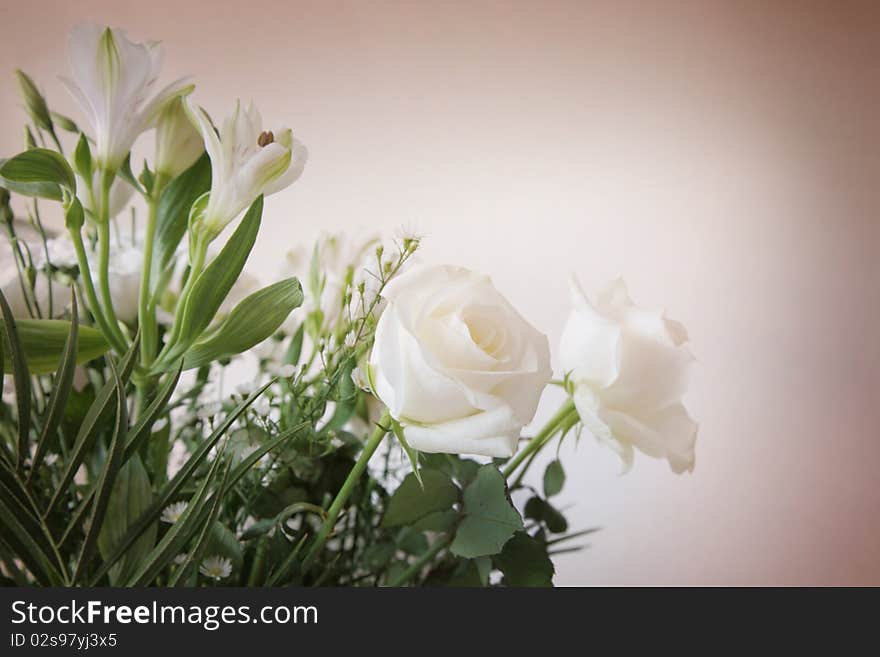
[
  {"x": 178, "y": 142},
  {"x": 34, "y": 101}
]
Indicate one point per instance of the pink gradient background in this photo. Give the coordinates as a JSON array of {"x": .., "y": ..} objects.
[{"x": 723, "y": 157}]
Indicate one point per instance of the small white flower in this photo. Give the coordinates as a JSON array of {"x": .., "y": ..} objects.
[
  {"x": 113, "y": 81},
  {"x": 160, "y": 424},
  {"x": 172, "y": 512},
  {"x": 246, "y": 161},
  {"x": 350, "y": 339},
  {"x": 180, "y": 559},
  {"x": 216, "y": 567},
  {"x": 209, "y": 410}
]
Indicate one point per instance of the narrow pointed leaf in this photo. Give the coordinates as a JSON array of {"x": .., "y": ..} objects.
[
  {"x": 253, "y": 320},
  {"x": 213, "y": 284},
  {"x": 87, "y": 433},
  {"x": 106, "y": 478},
  {"x": 21, "y": 377},
  {"x": 172, "y": 212},
  {"x": 62, "y": 385}
]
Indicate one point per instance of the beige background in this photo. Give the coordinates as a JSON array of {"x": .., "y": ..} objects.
[{"x": 723, "y": 157}]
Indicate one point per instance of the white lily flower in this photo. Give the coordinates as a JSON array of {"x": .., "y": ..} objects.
[
  {"x": 246, "y": 161},
  {"x": 113, "y": 79}
]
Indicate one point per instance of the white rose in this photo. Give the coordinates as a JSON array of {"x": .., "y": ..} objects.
[
  {"x": 455, "y": 363},
  {"x": 629, "y": 371}
]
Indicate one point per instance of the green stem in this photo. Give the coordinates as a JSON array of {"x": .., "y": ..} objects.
[
  {"x": 345, "y": 492},
  {"x": 103, "y": 224},
  {"x": 416, "y": 567},
  {"x": 563, "y": 415},
  {"x": 146, "y": 319},
  {"x": 91, "y": 295},
  {"x": 197, "y": 263},
  {"x": 146, "y": 309}
]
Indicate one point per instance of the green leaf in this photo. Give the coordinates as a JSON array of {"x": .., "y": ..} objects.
[
  {"x": 294, "y": 349},
  {"x": 82, "y": 158},
  {"x": 214, "y": 283},
  {"x": 127, "y": 175},
  {"x": 490, "y": 518},
  {"x": 412, "y": 501},
  {"x": 168, "y": 492},
  {"x": 38, "y": 172},
  {"x": 132, "y": 494},
  {"x": 181, "y": 531},
  {"x": 43, "y": 341},
  {"x": 90, "y": 426},
  {"x": 543, "y": 511},
  {"x": 26, "y": 545},
  {"x": 172, "y": 212},
  {"x": 524, "y": 562},
  {"x": 21, "y": 376},
  {"x": 62, "y": 386},
  {"x": 106, "y": 479},
  {"x": 554, "y": 478},
  {"x": 253, "y": 320},
  {"x": 438, "y": 521},
  {"x": 141, "y": 430}
]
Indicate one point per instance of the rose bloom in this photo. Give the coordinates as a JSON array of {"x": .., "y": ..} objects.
[
  {"x": 629, "y": 369},
  {"x": 455, "y": 363}
]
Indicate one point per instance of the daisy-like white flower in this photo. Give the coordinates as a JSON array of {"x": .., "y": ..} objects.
[
  {"x": 172, "y": 512},
  {"x": 216, "y": 567},
  {"x": 246, "y": 161},
  {"x": 113, "y": 80}
]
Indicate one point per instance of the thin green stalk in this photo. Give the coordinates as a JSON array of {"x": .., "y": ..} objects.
[
  {"x": 91, "y": 295},
  {"x": 563, "y": 415},
  {"x": 146, "y": 309},
  {"x": 416, "y": 567},
  {"x": 197, "y": 263},
  {"x": 345, "y": 492}
]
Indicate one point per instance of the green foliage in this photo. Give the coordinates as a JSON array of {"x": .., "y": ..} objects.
[
  {"x": 43, "y": 341},
  {"x": 544, "y": 512},
  {"x": 131, "y": 496},
  {"x": 253, "y": 320},
  {"x": 213, "y": 284},
  {"x": 490, "y": 518},
  {"x": 38, "y": 172},
  {"x": 413, "y": 501},
  {"x": 172, "y": 214},
  {"x": 524, "y": 562},
  {"x": 554, "y": 478}
]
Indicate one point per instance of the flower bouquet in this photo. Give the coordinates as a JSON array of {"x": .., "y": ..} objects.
[{"x": 378, "y": 438}]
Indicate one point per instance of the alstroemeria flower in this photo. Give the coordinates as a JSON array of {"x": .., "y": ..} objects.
[
  {"x": 246, "y": 161},
  {"x": 113, "y": 79}
]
